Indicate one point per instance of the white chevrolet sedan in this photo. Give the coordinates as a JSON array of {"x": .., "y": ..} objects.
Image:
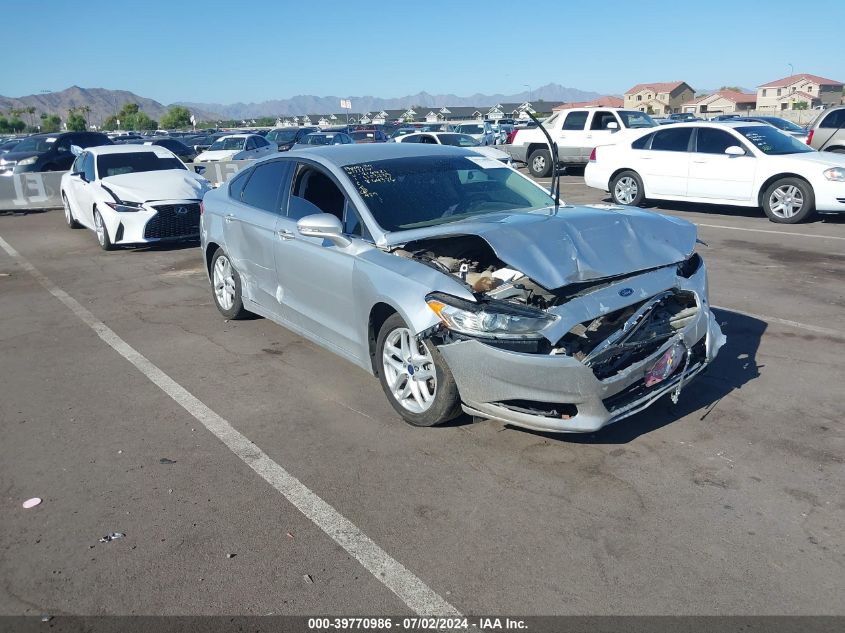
[
  {"x": 132, "y": 194},
  {"x": 237, "y": 147},
  {"x": 735, "y": 163}
]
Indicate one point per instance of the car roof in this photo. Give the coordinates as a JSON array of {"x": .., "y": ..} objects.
[
  {"x": 132, "y": 148},
  {"x": 341, "y": 155},
  {"x": 717, "y": 124},
  {"x": 236, "y": 136}
]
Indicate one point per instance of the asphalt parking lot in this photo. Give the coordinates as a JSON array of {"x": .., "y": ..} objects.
[{"x": 728, "y": 503}]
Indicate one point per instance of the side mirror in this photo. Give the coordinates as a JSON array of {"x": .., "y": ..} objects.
[
  {"x": 80, "y": 175},
  {"x": 323, "y": 225},
  {"x": 199, "y": 169},
  {"x": 612, "y": 125},
  {"x": 735, "y": 150}
]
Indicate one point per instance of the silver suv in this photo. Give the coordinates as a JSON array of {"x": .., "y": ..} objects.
[{"x": 827, "y": 132}]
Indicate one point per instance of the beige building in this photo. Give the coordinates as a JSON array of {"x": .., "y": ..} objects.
[
  {"x": 659, "y": 98},
  {"x": 608, "y": 101},
  {"x": 721, "y": 102},
  {"x": 784, "y": 93}
]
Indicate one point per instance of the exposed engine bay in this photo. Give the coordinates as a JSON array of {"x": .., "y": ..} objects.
[{"x": 470, "y": 259}]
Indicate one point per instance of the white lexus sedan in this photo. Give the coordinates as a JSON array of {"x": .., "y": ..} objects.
[
  {"x": 455, "y": 139},
  {"x": 237, "y": 147},
  {"x": 132, "y": 194},
  {"x": 736, "y": 163}
]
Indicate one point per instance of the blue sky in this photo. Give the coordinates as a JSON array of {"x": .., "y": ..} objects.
[{"x": 254, "y": 50}]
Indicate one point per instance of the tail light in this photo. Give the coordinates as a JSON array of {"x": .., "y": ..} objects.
[
  {"x": 511, "y": 137},
  {"x": 593, "y": 155},
  {"x": 202, "y": 208},
  {"x": 810, "y": 137}
]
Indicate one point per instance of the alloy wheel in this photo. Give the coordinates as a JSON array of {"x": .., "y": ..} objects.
[
  {"x": 539, "y": 164},
  {"x": 626, "y": 190},
  {"x": 224, "y": 282},
  {"x": 409, "y": 370},
  {"x": 100, "y": 228},
  {"x": 786, "y": 201}
]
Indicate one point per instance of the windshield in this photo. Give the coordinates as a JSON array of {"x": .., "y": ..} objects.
[
  {"x": 633, "y": 119},
  {"x": 471, "y": 129},
  {"x": 35, "y": 144},
  {"x": 363, "y": 136},
  {"x": 117, "y": 164},
  {"x": 282, "y": 136},
  {"x": 783, "y": 124},
  {"x": 458, "y": 140},
  {"x": 408, "y": 193},
  {"x": 319, "y": 139},
  {"x": 402, "y": 132},
  {"x": 770, "y": 141},
  {"x": 228, "y": 144}
]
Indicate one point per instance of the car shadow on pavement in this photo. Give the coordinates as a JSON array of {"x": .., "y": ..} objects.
[{"x": 734, "y": 367}]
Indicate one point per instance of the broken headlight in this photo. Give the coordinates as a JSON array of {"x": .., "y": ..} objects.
[
  {"x": 689, "y": 266},
  {"x": 491, "y": 319}
]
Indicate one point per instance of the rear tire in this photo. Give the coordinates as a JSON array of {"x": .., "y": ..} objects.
[
  {"x": 226, "y": 287},
  {"x": 540, "y": 163},
  {"x": 70, "y": 219},
  {"x": 414, "y": 376},
  {"x": 627, "y": 188},
  {"x": 789, "y": 201}
]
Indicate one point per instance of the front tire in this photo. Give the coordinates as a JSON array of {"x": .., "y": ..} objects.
[
  {"x": 789, "y": 201},
  {"x": 627, "y": 188},
  {"x": 414, "y": 376},
  {"x": 102, "y": 232},
  {"x": 226, "y": 287},
  {"x": 540, "y": 163},
  {"x": 70, "y": 220}
]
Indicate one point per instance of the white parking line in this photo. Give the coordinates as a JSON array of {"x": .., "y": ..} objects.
[
  {"x": 736, "y": 228},
  {"x": 419, "y": 597},
  {"x": 801, "y": 326}
]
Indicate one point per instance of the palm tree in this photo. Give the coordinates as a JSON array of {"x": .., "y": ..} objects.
[
  {"x": 86, "y": 110},
  {"x": 30, "y": 110}
]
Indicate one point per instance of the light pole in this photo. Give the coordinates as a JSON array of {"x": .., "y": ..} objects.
[
  {"x": 791, "y": 69},
  {"x": 529, "y": 92}
]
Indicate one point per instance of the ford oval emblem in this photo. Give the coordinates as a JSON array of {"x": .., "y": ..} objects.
[{"x": 626, "y": 292}]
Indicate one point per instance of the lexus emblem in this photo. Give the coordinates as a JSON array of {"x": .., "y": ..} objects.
[
  {"x": 626, "y": 292},
  {"x": 181, "y": 211}
]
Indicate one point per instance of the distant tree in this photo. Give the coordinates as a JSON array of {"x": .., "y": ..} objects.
[
  {"x": 142, "y": 121},
  {"x": 800, "y": 105},
  {"x": 16, "y": 125},
  {"x": 31, "y": 111},
  {"x": 176, "y": 117},
  {"x": 4, "y": 125},
  {"x": 50, "y": 123},
  {"x": 265, "y": 121},
  {"x": 734, "y": 88},
  {"x": 75, "y": 122},
  {"x": 131, "y": 118}
]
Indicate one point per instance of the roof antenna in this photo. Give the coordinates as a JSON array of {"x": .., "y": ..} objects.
[{"x": 555, "y": 186}]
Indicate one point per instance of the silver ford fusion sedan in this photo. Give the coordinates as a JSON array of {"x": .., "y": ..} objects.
[{"x": 462, "y": 285}]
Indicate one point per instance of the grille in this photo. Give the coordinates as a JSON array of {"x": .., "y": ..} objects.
[
  {"x": 170, "y": 223},
  {"x": 614, "y": 341},
  {"x": 638, "y": 390}
]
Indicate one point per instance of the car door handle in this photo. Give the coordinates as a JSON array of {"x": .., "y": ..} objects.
[
  {"x": 285, "y": 234},
  {"x": 230, "y": 218}
]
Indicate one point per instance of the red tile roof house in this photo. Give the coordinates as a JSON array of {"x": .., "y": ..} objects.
[
  {"x": 783, "y": 94},
  {"x": 659, "y": 98},
  {"x": 721, "y": 102}
]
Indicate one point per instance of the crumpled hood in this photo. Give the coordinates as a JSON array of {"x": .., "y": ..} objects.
[
  {"x": 171, "y": 184},
  {"x": 574, "y": 244}
]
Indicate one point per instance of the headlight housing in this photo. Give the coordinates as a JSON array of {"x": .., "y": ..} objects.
[
  {"x": 835, "y": 173},
  {"x": 28, "y": 161},
  {"x": 689, "y": 266},
  {"x": 489, "y": 319},
  {"x": 125, "y": 207}
]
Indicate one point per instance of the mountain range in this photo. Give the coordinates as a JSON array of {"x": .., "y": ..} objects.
[
  {"x": 104, "y": 102},
  {"x": 310, "y": 104}
]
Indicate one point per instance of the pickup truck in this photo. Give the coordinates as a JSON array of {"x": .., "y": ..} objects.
[{"x": 577, "y": 132}]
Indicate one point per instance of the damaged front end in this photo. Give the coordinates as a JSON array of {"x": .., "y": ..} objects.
[{"x": 572, "y": 359}]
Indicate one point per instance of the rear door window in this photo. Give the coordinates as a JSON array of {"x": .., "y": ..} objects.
[
  {"x": 672, "y": 140},
  {"x": 834, "y": 120},
  {"x": 601, "y": 119},
  {"x": 575, "y": 121}
]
